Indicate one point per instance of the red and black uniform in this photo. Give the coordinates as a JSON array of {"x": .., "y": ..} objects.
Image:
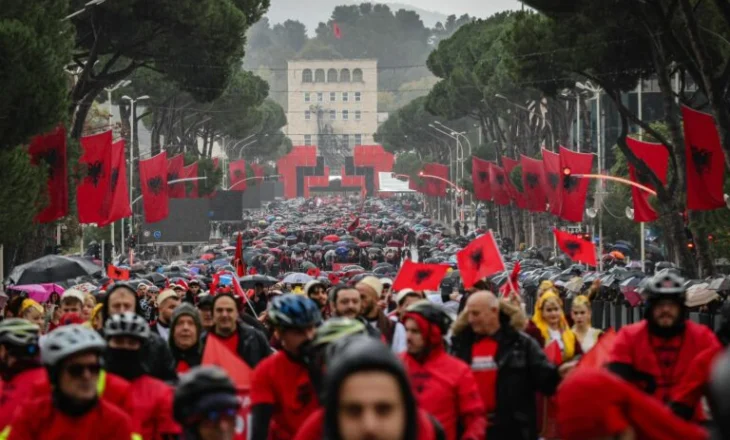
[
  {"x": 445, "y": 386},
  {"x": 40, "y": 420},
  {"x": 659, "y": 365},
  {"x": 281, "y": 386}
]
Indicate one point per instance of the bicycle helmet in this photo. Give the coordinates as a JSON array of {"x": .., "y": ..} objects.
[
  {"x": 433, "y": 314},
  {"x": 127, "y": 324},
  {"x": 19, "y": 332},
  {"x": 335, "y": 329},
  {"x": 201, "y": 390},
  {"x": 67, "y": 341},
  {"x": 666, "y": 285},
  {"x": 294, "y": 311}
]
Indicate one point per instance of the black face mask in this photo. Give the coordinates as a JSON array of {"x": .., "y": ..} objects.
[{"x": 125, "y": 363}]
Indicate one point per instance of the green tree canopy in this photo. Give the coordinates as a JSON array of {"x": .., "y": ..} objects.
[{"x": 35, "y": 46}]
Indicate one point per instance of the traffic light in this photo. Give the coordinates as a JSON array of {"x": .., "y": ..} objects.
[
  {"x": 690, "y": 239},
  {"x": 567, "y": 180},
  {"x": 587, "y": 237}
]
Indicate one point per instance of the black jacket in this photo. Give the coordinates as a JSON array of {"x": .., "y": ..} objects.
[
  {"x": 253, "y": 346},
  {"x": 158, "y": 357},
  {"x": 523, "y": 370}
]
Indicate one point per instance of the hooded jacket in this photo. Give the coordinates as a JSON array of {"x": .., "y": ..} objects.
[
  {"x": 194, "y": 355},
  {"x": 522, "y": 371},
  {"x": 371, "y": 355}
]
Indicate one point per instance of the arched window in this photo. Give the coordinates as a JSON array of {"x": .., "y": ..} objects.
[
  {"x": 357, "y": 75},
  {"x": 345, "y": 75},
  {"x": 319, "y": 76},
  {"x": 332, "y": 76},
  {"x": 307, "y": 76}
]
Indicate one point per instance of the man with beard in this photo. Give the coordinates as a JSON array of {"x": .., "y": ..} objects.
[
  {"x": 282, "y": 394},
  {"x": 248, "y": 343},
  {"x": 655, "y": 354},
  {"x": 393, "y": 333}
]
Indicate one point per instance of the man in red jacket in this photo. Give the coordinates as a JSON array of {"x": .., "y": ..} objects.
[
  {"x": 72, "y": 356},
  {"x": 20, "y": 365},
  {"x": 444, "y": 385},
  {"x": 656, "y": 353}
]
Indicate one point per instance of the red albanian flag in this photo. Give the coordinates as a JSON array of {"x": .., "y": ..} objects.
[
  {"x": 480, "y": 170},
  {"x": 705, "y": 161},
  {"x": 512, "y": 286},
  {"x": 519, "y": 198},
  {"x": 117, "y": 201},
  {"x": 551, "y": 167},
  {"x": 354, "y": 225},
  {"x": 499, "y": 184},
  {"x": 191, "y": 187},
  {"x": 313, "y": 272},
  {"x": 51, "y": 150},
  {"x": 656, "y": 157},
  {"x": 419, "y": 276},
  {"x": 574, "y": 189},
  {"x": 153, "y": 176},
  {"x": 237, "y": 175},
  {"x": 334, "y": 279},
  {"x": 258, "y": 172},
  {"x": 578, "y": 249},
  {"x": 93, "y": 190},
  {"x": 115, "y": 273},
  {"x": 175, "y": 167},
  {"x": 533, "y": 182},
  {"x": 599, "y": 355},
  {"x": 216, "y": 353},
  {"x": 238, "y": 257},
  {"x": 480, "y": 259},
  {"x": 336, "y": 30}
]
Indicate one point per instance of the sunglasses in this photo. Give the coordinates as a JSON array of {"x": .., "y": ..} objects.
[{"x": 77, "y": 370}]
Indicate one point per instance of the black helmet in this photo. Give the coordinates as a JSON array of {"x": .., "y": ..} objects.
[
  {"x": 294, "y": 311},
  {"x": 201, "y": 390},
  {"x": 666, "y": 285},
  {"x": 433, "y": 313}
]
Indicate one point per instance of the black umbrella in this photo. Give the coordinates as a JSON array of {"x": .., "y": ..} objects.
[
  {"x": 248, "y": 282},
  {"x": 53, "y": 268}
]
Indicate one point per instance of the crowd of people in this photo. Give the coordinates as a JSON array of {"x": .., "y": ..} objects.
[{"x": 356, "y": 360}]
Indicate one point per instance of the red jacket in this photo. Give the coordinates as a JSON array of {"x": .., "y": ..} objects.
[
  {"x": 445, "y": 388},
  {"x": 312, "y": 429},
  {"x": 634, "y": 359},
  {"x": 151, "y": 404},
  {"x": 39, "y": 420},
  {"x": 17, "y": 391}
]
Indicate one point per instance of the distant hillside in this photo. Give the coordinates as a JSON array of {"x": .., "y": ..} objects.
[{"x": 311, "y": 13}]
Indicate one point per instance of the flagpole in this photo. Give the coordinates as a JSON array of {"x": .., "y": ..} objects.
[{"x": 501, "y": 259}]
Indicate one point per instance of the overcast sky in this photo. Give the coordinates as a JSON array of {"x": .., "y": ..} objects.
[{"x": 479, "y": 8}]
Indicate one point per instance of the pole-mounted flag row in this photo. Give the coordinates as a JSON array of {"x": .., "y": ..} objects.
[
  {"x": 547, "y": 187},
  {"x": 102, "y": 192}
]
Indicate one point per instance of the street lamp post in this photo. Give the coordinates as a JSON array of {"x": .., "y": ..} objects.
[
  {"x": 250, "y": 178},
  {"x": 456, "y": 166},
  {"x": 599, "y": 149},
  {"x": 109, "y": 91},
  {"x": 133, "y": 139},
  {"x": 457, "y": 190}
]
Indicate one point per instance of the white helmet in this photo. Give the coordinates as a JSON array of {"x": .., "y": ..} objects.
[
  {"x": 69, "y": 340},
  {"x": 127, "y": 324}
]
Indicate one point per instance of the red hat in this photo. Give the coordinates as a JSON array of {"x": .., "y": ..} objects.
[
  {"x": 594, "y": 403},
  {"x": 431, "y": 332},
  {"x": 70, "y": 318}
]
